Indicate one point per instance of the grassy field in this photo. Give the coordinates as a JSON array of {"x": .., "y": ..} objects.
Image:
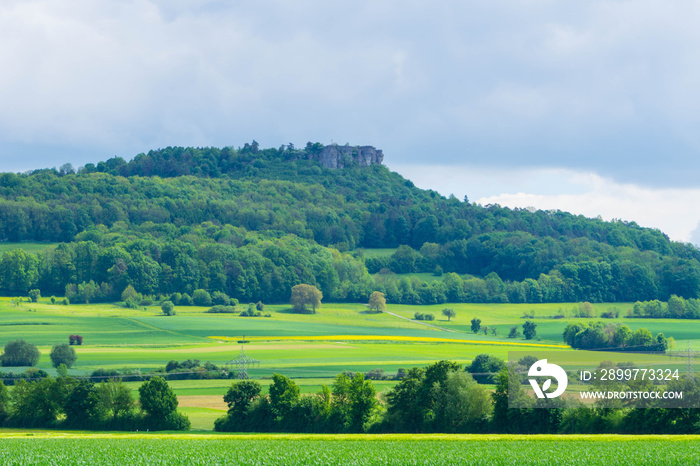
[
  {"x": 40, "y": 447},
  {"x": 311, "y": 348},
  {"x": 26, "y": 246}
]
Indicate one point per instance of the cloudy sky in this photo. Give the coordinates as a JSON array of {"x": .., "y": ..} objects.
[{"x": 590, "y": 107}]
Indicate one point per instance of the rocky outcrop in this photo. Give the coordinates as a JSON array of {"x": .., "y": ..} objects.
[{"x": 335, "y": 156}]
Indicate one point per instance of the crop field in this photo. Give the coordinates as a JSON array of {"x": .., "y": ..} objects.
[
  {"x": 311, "y": 348},
  {"x": 192, "y": 449}
]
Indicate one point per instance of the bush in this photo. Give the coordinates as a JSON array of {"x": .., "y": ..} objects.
[
  {"x": 201, "y": 298},
  {"x": 35, "y": 295},
  {"x": 63, "y": 353},
  {"x": 185, "y": 300},
  {"x": 168, "y": 308},
  {"x": 260, "y": 306},
  {"x": 222, "y": 310},
  {"x": 220, "y": 298},
  {"x": 19, "y": 353},
  {"x": 146, "y": 302},
  {"x": 175, "y": 298}
]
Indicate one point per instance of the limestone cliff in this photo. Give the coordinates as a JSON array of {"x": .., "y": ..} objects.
[{"x": 335, "y": 156}]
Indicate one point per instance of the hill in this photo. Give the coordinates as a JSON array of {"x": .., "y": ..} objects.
[{"x": 253, "y": 222}]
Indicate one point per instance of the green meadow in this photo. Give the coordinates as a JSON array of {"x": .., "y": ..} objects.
[
  {"x": 27, "y": 246},
  {"x": 311, "y": 348},
  {"x": 40, "y": 447}
]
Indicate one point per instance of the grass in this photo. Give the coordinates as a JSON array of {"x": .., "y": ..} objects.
[
  {"x": 311, "y": 348},
  {"x": 27, "y": 246},
  {"x": 40, "y": 447}
]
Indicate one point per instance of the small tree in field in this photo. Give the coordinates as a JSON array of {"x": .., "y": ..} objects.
[
  {"x": 449, "y": 313},
  {"x": 35, "y": 295},
  {"x": 476, "y": 325},
  {"x": 20, "y": 353},
  {"x": 304, "y": 296},
  {"x": 529, "y": 330},
  {"x": 168, "y": 308},
  {"x": 377, "y": 302},
  {"x": 63, "y": 354}
]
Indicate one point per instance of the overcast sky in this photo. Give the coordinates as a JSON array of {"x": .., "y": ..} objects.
[{"x": 590, "y": 107}]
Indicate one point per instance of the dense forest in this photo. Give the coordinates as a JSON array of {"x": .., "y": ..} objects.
[{"x": 252, "y": 223}]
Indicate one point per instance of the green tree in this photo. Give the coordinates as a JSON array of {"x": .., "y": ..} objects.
[
  {"x": 529, "y": 330},
  {"x": 4, "y": 402},
  {"x": 461, "y": 404},
  {"x": 201, "y": 298},
  {"x": 284, "y": 393},
  {"x": 168, "y": 308},
  {"x": 377, "y": 302},
  {"x": 476, "y": 325},
  {"x": 484, "y": 368},
  {"x": 304, "y": 296},
  {"x": 81, "y": 406},
  {"x": 35, "y": 295},
  {"x": 62, "y": 370},
  {"x": 20, "y": 353},
  {"x": 450, "y": 313},
  {"x": 115, "y": 398},
  {"x": 240, "y": 396},
  {"x": 63, "y": 353},
  {"x": 157, "y": 398}
]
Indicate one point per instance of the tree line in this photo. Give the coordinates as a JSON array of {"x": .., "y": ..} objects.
[
  {"x": 442, "y": 397},
  {"x": 66, "y": 402},
  {"x": 259, "y": 267}
]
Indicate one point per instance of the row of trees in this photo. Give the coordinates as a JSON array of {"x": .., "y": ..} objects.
[
  {"x": 676, "y": 308},
  {"x": 444, "y": 398},
  {"x": 613, "y": 337},
  {"x": 72, "y": 403},
  {"x": 350, "y": 406},
  {"x": 19, "y": 353},
  {"x": 212, "y": 264}
]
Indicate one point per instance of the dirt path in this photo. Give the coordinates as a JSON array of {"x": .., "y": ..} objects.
[{"x": 422, "y": 323}]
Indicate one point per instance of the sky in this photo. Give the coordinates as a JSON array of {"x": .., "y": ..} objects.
[{"x": 588, "y": 107}]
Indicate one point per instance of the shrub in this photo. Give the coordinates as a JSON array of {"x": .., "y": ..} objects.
[
  {"x": 185, "y": 300},
  {"x": 146, "y": 302},
  {"x": 168, "y": 308},
  {"x": 63, "y": 354},
  {"x": 201, "y": 298},
  {"x": 75, "y": 340},
  {"x": 222, "y": 310},
  {"x": 35, "y": 295},
  {"x": 20, "y": 353},
  {"x": 220, "y": 298}
]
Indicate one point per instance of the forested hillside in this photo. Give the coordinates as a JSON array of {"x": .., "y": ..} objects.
[{"x": 252, "y": 223}]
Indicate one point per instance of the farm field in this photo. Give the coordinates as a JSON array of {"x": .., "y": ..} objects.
[
  {"x": 40, "y": 447},
  {"x": 311, "y": 348}
]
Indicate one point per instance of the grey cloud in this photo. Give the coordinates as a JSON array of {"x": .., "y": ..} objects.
[{"x": 606, "y": 86}]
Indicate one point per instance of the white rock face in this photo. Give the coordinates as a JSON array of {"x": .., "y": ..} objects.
[{"x": 335, "y": 156}]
